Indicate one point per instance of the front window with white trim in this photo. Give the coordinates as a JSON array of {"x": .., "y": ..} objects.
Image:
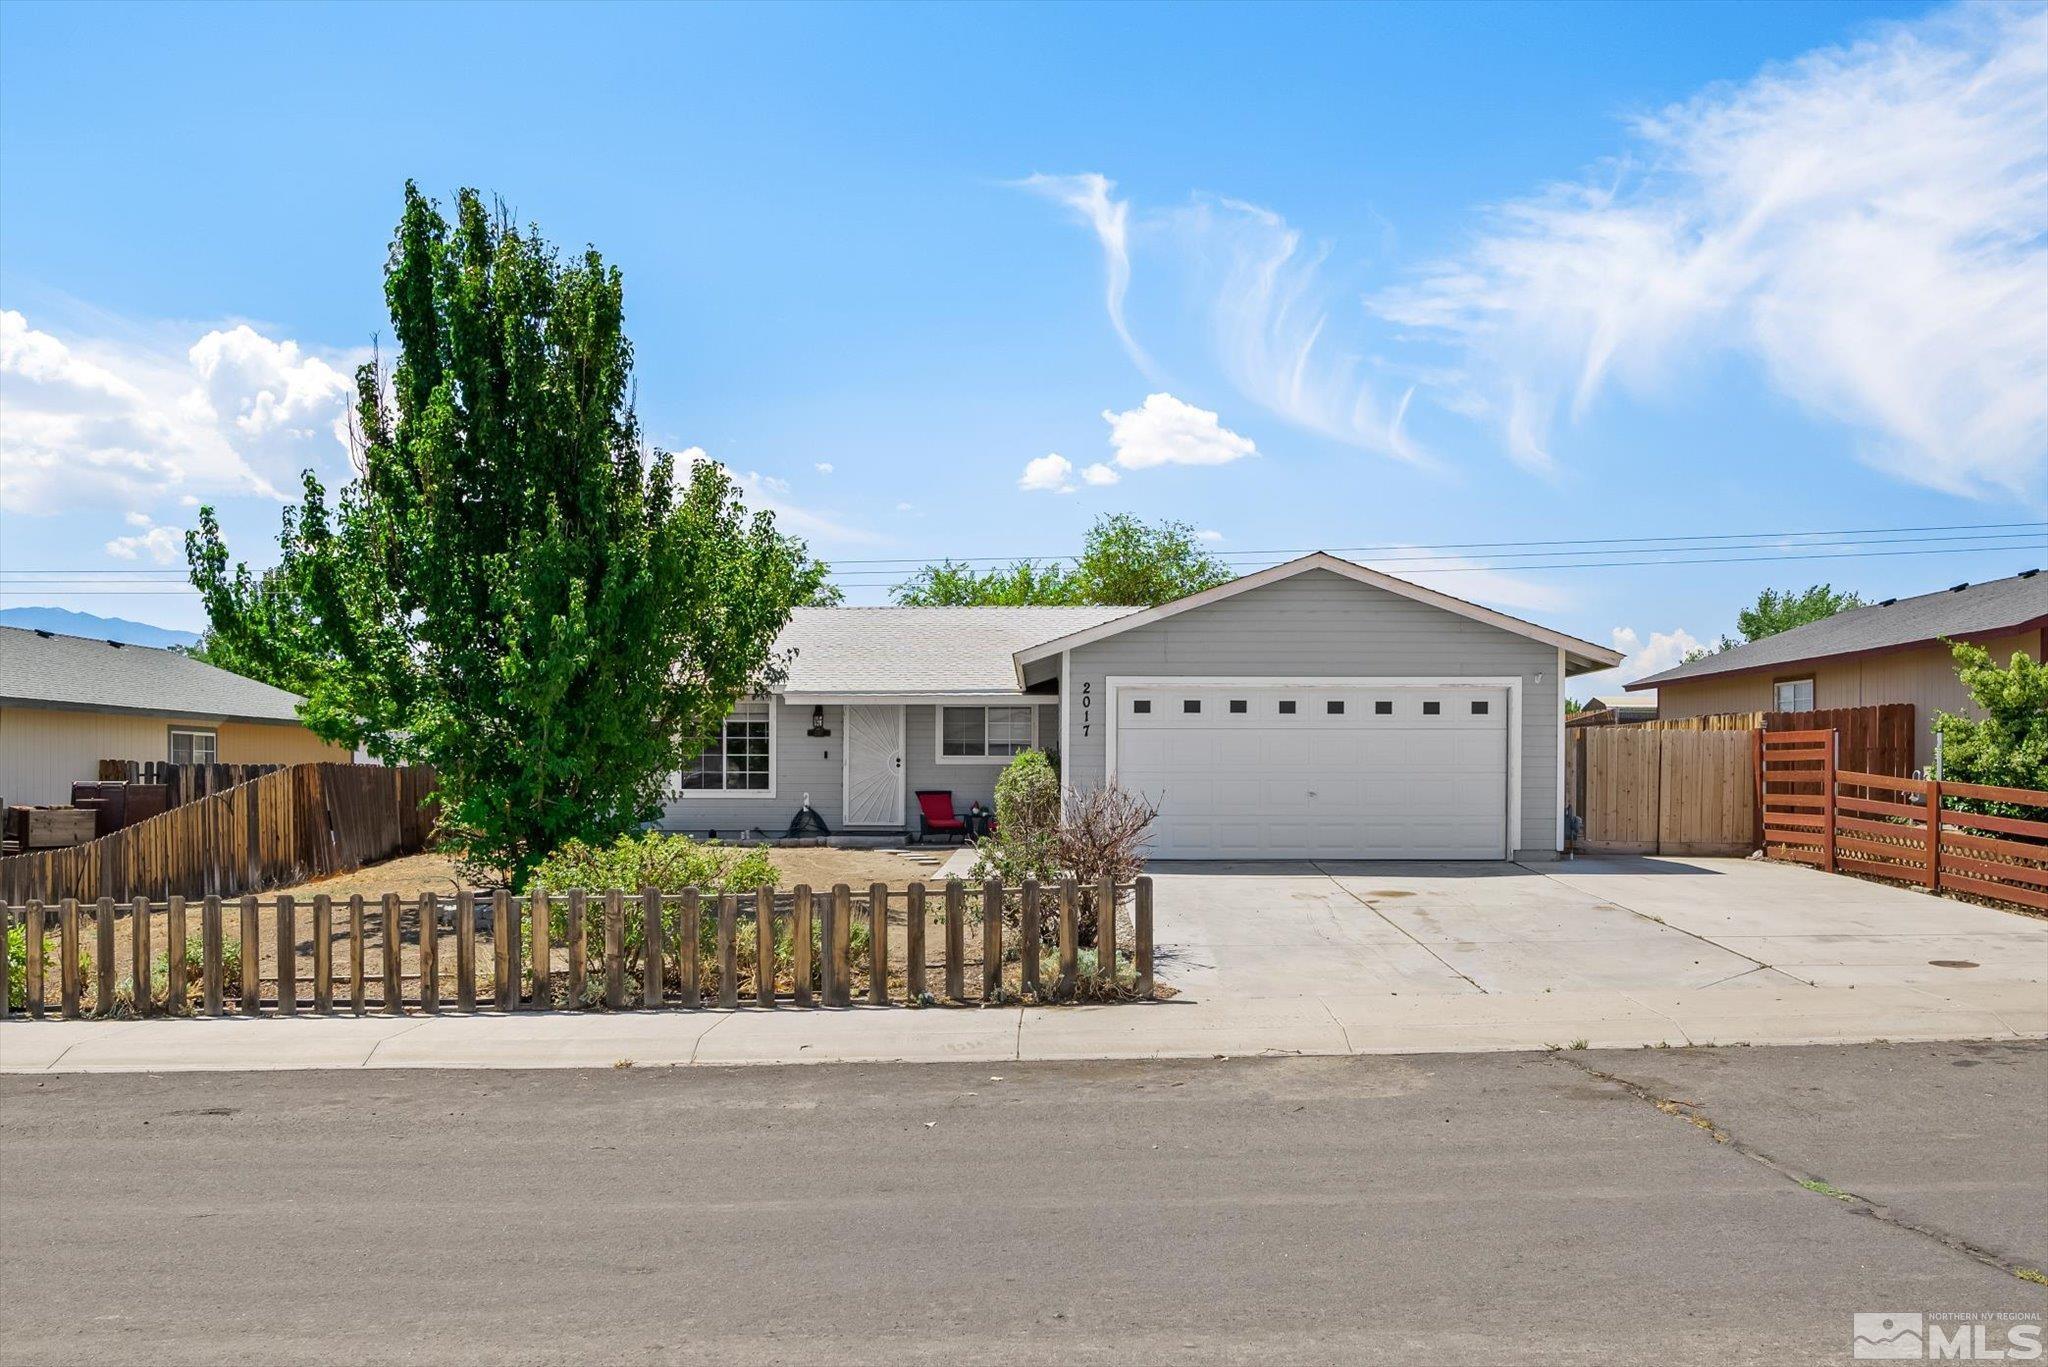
[
  {"x": 190, "y": 745},
  {"x": 974, "y": 733},
  {"x": 1793, "y": 695},
  {"x": 740, "y": 757}
]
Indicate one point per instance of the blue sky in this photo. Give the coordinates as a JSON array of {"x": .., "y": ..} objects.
[{"x": 955, "y": 281}]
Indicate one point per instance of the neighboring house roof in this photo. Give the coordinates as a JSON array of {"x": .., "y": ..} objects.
[
  {"x": 44, "y": 669},
  {"x": 1621, "y": 702},
  {"x": 1581, "y": 656},
  {"x": 1967, "y": 610},
  {"x": 931, "y": 652}
]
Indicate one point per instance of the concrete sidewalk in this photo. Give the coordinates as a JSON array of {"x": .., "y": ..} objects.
[{"x": 1303, "y": 1025}]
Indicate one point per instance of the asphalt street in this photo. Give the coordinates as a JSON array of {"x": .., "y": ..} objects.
[{"x": 1683, "y": 1205}]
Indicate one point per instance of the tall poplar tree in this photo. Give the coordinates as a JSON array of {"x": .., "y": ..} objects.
[{"x": 513, "y": 588}]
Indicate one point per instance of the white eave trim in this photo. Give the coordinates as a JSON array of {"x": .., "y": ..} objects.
[
  {"x": 957, "y": 699},
  {"x": 1597, "y": 657}
]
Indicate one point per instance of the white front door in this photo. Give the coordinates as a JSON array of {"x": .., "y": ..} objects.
[
  {"x": 1254, "y": 771},
  {"x": 874, "y": 766}
]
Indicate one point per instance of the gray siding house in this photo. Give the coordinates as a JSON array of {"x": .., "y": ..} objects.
[{"x": 1318, "y": 709}]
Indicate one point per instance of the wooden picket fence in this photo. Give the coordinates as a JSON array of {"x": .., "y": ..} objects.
[
  {"x": 1901, "y": 829},
  {"x": 1876, "y": 739},
  {"x": 496, "y": 951},
  {"x": 294, "y": 824}
]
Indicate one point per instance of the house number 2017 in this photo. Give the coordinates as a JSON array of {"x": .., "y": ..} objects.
[{"x": 1087, "y": 700}]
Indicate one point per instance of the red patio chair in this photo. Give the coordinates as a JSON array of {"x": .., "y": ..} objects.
[{"x": 935, "y": 815}]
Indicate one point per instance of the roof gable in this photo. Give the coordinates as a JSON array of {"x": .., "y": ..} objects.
[{"x": 1578, "y": 652}]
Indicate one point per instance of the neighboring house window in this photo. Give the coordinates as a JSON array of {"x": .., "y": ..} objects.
[
  {"x": 740, "y": 757},
  {"x": 1793, "y": 695},
  {"x": 967, "y": 733},
  {"x": 189, "y": 746}
]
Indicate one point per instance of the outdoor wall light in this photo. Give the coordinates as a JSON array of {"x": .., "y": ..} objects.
[{"x": 818, "y": 722}]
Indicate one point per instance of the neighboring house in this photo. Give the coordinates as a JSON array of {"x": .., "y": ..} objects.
[
  {"x": 1614, "y": 710},
  {"x": 67, "y": 702},
  {"x": 1889, "y": 652},
  {"x": 1317, "y": 709}
]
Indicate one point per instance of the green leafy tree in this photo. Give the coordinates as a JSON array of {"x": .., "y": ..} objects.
[
  {"x": 2008, "y": 748},
  {"x": 513, "y": 588},
  {"x": 1123, "y": 562},
  {"x": 1777, "y": 610}
]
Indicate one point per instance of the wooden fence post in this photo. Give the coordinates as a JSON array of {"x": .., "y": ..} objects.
[
  {"x": 1756, "y": 764},
  {"x": 828, "y": 984},
  {"x": 650, "y": 947},
  {"x": 67, "y": 957},
  {"x": 764, "y": 947},
  {"x": 323, "y": 954},
  {"x": 1827, "y": 787},
  {"x": 138, "y": 954},
  {"x": 728, "y": 951},
  {"x": 1028, "y": 933},
  {"x": 841, "y": 949},
  {"x": 176, "y": 999},
  {"x": 541, "y": 968},
  {"x": 615, "y": 949},
  {"x": 35, "y": 935},
  {"x": 913, "y": 945},
  {"x": 1070, "y": 941},
  {"x": 287, "y": 956},
  {"x": 465, "y": 950},
  {"x": 250, "y": 948},
  {"x": 956, "y": 940},
  {"x": 576, "y": 930},
  {"x": 210, "y": 955},
  {"x": 878, "y": 944},
  {"x": 1105, "y": 930},
  {"x": 1933, "y": 791},
  {"x": 503, "y": 980},
  {"x": 1141, "y": 915},
  {"x": 394, "y": 943},
  {"x": 358, "y": 955},
  {"x": 992, "y": 939},
  {"x": 689, "y": 941},
  {"x": 802, "y": 916},
  {"x": 430, "y": 953}
]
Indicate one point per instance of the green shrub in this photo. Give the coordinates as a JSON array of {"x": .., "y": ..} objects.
[
  {"x": 1026, "y": 840},
  {"x": 2009, "y": 747}
]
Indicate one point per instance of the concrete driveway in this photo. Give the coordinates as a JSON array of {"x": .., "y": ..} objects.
[{"x": 1652, "y": 925}]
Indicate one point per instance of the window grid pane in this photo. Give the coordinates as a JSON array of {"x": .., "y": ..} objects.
[
  {"x": 963, "y": 731},
  {"x": 1009, "y": 730}
]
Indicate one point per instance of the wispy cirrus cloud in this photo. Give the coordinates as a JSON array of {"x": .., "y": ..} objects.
[
  {"x": 1091, "y": 197},
  {"x": 1869, "y": 222}
]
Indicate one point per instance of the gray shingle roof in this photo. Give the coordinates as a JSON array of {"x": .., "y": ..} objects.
[
  {"x": 73, "y": 671},
  {"x": 920, "y": 650},
  {"x": 1977, "y": 609}
]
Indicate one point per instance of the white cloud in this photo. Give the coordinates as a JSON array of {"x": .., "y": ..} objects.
[
  {"x": 89, "y": 422},
  {"x": 164, "y": 545},
  {"x": 138, "y": 520},
  {"x": 1051, "y": 473},
  {"x": 1165, "y": 431},
  {"x": 1089, "y": 197},
  {"x": 1100, "y": 475},
  {"x": 1865, "y": 221},
  {"x": 1286, "y": 334},
  {"x": 823, "y": 467},
  {"x": 771, "y": 494},
  {"x": 1207, "y": 535},
  {"x": 904, "y": 507},
  {"x": 1664, "y": 650}
]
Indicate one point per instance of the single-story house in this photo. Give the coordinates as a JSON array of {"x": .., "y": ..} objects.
[
  {"x": 1615, "y": 709},
  {"x": 68, "y": 702},
  {"x": 1317, "y": 709},
  {"x": 1889, "y": 652}
]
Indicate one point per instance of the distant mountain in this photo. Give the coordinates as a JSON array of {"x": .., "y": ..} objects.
[{"x": 67, "y": 623}]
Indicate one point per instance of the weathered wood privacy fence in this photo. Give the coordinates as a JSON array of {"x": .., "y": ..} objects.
[
  {"x": 1876, "y": 739},
  {"x": 306, "y": 821},
  {"x": 467, "y": 952},
  {"x": 183, "y": 783},
  {"x": 1637, "y": 790},
  {"x": 1904, "y": 829}
]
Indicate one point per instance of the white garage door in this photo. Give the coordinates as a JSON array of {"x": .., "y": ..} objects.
[{"x": 1273, "y": 772}]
